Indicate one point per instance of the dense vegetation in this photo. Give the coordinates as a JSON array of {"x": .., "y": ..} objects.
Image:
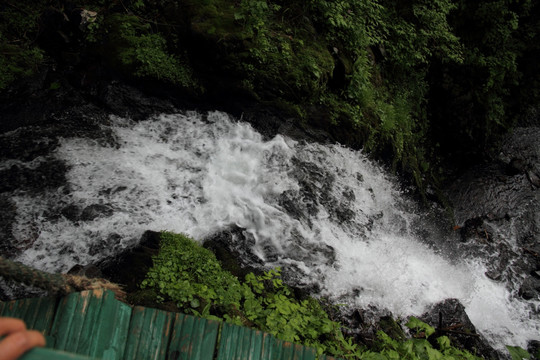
[
  {"x": 192, "y": 277},
  {"x": 413, "y": 82}
]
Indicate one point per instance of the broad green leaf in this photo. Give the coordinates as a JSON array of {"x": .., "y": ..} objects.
[
  {"x": 419, "y": 325},
  {"x": 518, "y": 353}
]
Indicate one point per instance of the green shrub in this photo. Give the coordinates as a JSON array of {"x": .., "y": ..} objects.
[
  {"x": 17, "y": 62},
  {"x": 192, "y": 277},
  {"x": 141, "y": 52},
  {"x": 19, "y": 55}
]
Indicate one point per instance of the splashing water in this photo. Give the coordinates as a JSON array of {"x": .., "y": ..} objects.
[{"x": 326, "y": 212}]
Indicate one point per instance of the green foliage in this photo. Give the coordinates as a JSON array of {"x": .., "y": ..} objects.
[
  {"x": 145, "y": 53},
  {"x": 17, "y": 62},
  {"x": 409, "y": 81},
  {"x": 281, "y": 61},
  {"x": 189, "y": 274},
  {"x": 416, "y": 349},
  {"x": 518, "y": 353},
  {"x": 192, "y": 277},
  {"x": 19, "y": 55},
  {"x": 420, "y": 327},
  {"x": 480, "y": 98}
]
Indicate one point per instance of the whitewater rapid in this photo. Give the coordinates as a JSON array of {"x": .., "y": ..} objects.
[{"x": 326, "y": 213}]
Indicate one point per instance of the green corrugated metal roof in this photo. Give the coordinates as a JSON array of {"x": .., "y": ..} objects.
[{"x": 94, "y": 325}]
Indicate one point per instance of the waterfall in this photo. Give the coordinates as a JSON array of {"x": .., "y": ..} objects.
[{"x": 326, "y": 214}]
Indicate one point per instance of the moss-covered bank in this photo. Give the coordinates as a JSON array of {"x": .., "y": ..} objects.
[{"x": 418, "y": 84}]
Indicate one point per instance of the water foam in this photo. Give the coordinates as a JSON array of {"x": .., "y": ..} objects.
[{"x": 200, "y": 174}]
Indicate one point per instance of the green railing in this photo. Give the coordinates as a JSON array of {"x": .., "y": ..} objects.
[{"x": 94, "y": 325}]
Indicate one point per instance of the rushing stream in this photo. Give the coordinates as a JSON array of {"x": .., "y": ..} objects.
[{"x": 326, "y": 214}]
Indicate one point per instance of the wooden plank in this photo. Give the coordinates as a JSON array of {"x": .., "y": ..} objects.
[
  {"x": 304, "y": 353},
  {"x": 65, "y": 316},
  {"x": 226, "y": 343},
  {"x": 42, "y": 315},
  {"x": 277, "y": 348},
  {"x": 288, "y": 350},
  {"x": 49, "y": 354},
  {"x": 92, "y": 323},
  {"x": 89, "y": 307},
  {"x": 149, "y": 334},
  {"x": 239, "y": 343},
  {"x": 15, "y": 309},
  {"x": 193, "y": 338},
  {"x": 256, "y": 344},
  {"x": 37, "y": 313},
  {"x": 269, "y": 349},
  {"x": 243, "y": 343},
  {"x": 110, "y": 337}
]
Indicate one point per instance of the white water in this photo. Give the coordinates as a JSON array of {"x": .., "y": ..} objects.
[{"x": 199, "y": 175}]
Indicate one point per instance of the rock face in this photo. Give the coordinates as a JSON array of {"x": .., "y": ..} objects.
[
  {"x": 450, "y": 319},
  {"x": 497, "y": 207},
  {"x": 36, "y": 117}
]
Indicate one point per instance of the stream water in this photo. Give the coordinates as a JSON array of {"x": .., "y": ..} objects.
[{"x": 326, "y": 214}]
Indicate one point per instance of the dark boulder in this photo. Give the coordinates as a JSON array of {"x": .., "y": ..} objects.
[
  {"x": 450, "y": 319},
  {"x": 129, "y": 267},
  {"x": 235, "y": 257},
  {"x": 95, "y": 211}
]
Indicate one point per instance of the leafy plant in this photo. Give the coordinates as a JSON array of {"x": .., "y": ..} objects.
[
  {"x": 192, "y": 277},
  {"x": 145, "y": 53},
  {"x": 518, "y": 353}
]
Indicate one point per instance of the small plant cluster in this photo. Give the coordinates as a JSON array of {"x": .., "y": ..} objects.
[
  {"x": 193, "y": 278},
  {"x": 19, "y": 54},
  {"x": 143, "y": 52}
]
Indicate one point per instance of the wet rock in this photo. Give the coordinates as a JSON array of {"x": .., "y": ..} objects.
[
  {"x": 521, "y": 152},
  {"x": 71, "y": 212},
  {"x": 95, "y": 211},
  {"x": 474, "y": 229},
  {"x": 90, "y": 271},
  {"x": 530, "y": 288},
  {"x": 291, "y": 201},
  {"x": 110, "y": 245},
  {"x": 8, "y": 248},
  {"x": 14, "y": 291},
  {"x": 450, "y": 319},
  {"x": 497, "y": 206},
  {"x": 315, "y": 191},
  {"x": 129, "y": 267},
  {"x": 533, "y": 347},
  {"x": 127, "y": 101},
  {"x": 363, "y": 324},
  {"x": 234, "y": 257},
  {"x": 48, "y": 174},
  {"x": 534, "y": 178}
]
